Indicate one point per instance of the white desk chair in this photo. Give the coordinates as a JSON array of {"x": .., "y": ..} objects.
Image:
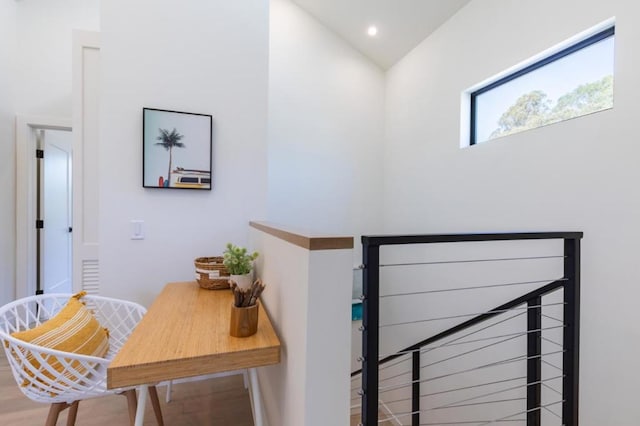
[{"x": 83, "y": 376}]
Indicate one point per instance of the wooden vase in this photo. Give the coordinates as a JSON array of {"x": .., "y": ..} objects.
[{"x": 244, "y": 321}]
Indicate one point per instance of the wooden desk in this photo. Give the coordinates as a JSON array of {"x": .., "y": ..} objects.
[{"x": 185, "y": 333}]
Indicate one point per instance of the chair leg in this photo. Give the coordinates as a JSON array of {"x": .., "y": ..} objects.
[
  {"x": 54, "y": 412},
  {"x": 153, "y": 395},
  {"x": 73, "y": 413},
  {"x": 132, "y": 403}
]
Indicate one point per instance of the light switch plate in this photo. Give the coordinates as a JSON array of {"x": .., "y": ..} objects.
[{"x": 137, "y": 227}]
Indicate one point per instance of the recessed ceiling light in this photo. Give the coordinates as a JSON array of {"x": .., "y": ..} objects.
[{"x": 372, "y": 30}]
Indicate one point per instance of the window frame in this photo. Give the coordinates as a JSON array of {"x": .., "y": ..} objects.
[{"x": 593, "y": 39}]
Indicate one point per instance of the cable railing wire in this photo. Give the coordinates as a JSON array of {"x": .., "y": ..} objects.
[
  {"x": 468, "y": 422},
  {"x": 473, "y": 404},
  {"x": 402, "y": 414},
  {"x": 469, "y": 315},
  {"x": 551, "y": 365},
  {"x": 449, "y": 423},
  {"x": 452, "y": 357},
  {"x": 552, "y": 318},
  {"x": 474, "y": 422},
  {"x": 493, "y": 393},
  {"x": 426, "y": 349},
  {"x": 552, "y": 341},
  {"x": 483, "y": 339},
  {"x": 446, "y": 290},
  {"x": 459, "y": 404},
  {"x": 477, "y": 422},
  {"x": 497, "y": 382},
  {"x": 430, "y": 348},
  {"x": 447, "y": 262},
  {"x": 552, "y": 412},
  {"x": 483, "y": 366},
  {"x": 512, "y": 388},
  {"x": 552, "y": 389},
  {"x": 522, "y": 333},
  {"x": 508, "y": 339},
  {"x": 548, "y": 288},
  {"x": 523, "y": 412}
]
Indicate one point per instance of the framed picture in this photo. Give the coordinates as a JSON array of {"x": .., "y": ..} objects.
[{"x": 176, "y": 149}]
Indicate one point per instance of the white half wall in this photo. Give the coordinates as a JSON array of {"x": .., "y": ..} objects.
[
  {"x": 307, "y": 297},
  {"x": 326, "y": 128},
  {"x": 578, "y": 175},
  {"x": 7, "y": 151},
  {"x": 203, "y": 57}
]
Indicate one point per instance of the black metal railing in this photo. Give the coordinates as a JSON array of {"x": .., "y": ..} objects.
[{"x": 532, "y": 304}]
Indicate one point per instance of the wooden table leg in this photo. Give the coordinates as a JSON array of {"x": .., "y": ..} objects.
[
  {"x": 255, "y": 397},
  {"x": 142, "y": 400},
  {"x": 155, "y": 403}
]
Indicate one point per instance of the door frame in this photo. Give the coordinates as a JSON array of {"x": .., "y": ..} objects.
[{"x": 26, "y": 145}]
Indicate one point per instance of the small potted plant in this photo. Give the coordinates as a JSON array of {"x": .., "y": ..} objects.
[{"x": 239, "y": 263}]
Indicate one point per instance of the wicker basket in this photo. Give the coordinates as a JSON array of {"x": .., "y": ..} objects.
[{"x": 211, "y": 274}]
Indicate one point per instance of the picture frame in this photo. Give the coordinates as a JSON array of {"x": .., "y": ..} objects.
[{"x": 176, "y": 149}]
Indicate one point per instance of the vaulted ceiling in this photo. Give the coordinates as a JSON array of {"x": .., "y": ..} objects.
[{"x": 401, "y": 24}]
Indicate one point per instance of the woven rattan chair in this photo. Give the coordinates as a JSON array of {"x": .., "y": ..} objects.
[{"x": 84, "y": 376}]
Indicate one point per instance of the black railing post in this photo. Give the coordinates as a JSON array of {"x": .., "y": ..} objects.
[
  {"x": 370, "y": 334},
  {"x": 571, "y": 338},
  {"x": 415, "y": 389},
  {"x": 534, "y": 360}
]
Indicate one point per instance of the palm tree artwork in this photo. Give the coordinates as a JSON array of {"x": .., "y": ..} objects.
[{"x": 169, "y": 140}]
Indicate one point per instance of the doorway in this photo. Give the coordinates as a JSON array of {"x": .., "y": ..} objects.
[
  {"x": 43, "y": 213},
  {"x": 53, "y": 209}
]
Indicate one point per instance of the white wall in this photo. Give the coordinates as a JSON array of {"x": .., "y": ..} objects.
[
  {"x": 204, "y": 57},
  {"x": 326, "y": 128},
  {"x": 35, "y": 79},
  {"x": 307, "y": 297},
  {"x": 44, "y": 52},
  {"x": 577, "y": 175},
  {"x": 7, "y": 151}
]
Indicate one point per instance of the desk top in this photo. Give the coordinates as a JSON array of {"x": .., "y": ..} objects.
[{"x": 186, "y": 333}]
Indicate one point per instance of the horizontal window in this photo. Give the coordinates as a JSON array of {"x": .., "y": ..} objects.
[{"x": 571, "y": 83}]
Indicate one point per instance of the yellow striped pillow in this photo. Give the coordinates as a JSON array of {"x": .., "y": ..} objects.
[{"x": 74, "y": 329}]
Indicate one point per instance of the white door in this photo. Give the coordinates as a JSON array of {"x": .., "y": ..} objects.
[{"x": 56, "y": 213}]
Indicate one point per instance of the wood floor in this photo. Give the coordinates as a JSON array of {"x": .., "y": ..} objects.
[{"x": 213, "y": 402}]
